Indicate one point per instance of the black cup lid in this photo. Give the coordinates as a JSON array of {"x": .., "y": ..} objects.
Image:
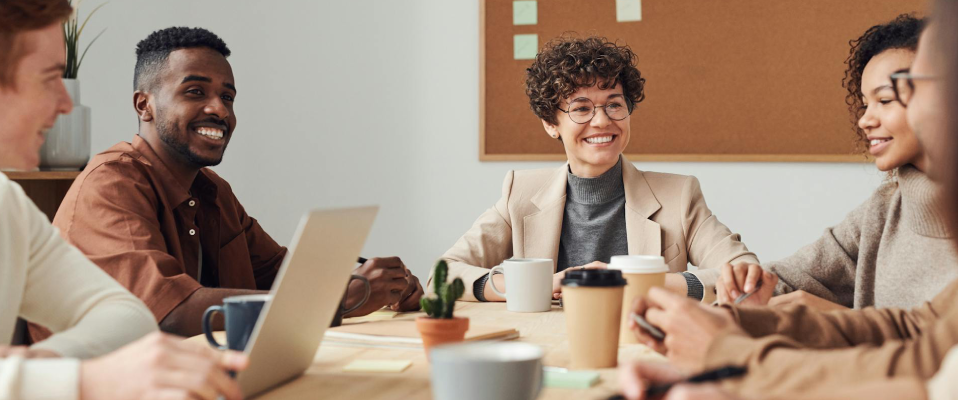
[{"x": 593, "y": 278}]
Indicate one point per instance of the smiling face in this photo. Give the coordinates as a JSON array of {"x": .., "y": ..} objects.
[
  {"x": 190, "y": 108},
  {"x": 593, "y": 147},
  {"x": 30, "y": 106},
  {"x": 890, "y": 140}
]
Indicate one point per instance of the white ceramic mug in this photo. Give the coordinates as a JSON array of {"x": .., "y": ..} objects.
[
  {"x": 529, "y": 281},
  {"x": 486, "y": 370}
]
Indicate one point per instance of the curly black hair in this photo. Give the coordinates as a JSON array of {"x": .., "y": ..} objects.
[
  {"x": 152, "y": 52},
  {"x": 566, "y": 64},
  {"x": 901, "y": 33}
]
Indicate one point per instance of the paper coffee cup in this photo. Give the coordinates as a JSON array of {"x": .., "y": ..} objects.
[
  {"x": 592, "y": 304},
  {"x": 642, "y": 273}
]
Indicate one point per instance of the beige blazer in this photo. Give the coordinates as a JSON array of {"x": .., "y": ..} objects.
[{"x": 665, "y": 215}]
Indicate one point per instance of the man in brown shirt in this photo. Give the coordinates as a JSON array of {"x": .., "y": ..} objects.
[{"x": 171, "y": 230}]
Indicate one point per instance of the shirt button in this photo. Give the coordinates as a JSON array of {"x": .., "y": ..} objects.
[
  {"x": 192, "y": 232},
  {"x": 192, "y": 203}
]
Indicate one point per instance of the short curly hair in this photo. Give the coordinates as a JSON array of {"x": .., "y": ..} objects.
[
  {"x": 901, "y": 33},
  {"x": 152, "y": 52},
  {"x": 566, "y": 64}
]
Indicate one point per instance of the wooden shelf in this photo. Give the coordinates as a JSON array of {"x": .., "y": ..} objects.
[{"x": 42, "y": 175}]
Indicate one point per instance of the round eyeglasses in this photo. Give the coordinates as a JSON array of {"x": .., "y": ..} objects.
[
  {"x": 903, "y": 83},
  {"x": 582, "y": 110}
]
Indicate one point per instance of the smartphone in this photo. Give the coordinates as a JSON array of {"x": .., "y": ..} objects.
[{"x": 652, "y": 330}]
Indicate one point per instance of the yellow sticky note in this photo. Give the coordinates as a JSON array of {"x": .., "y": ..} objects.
[
  {"x": 525, "y": 47},
  {"x": 628, "y": 10},
  {"x": 394, "y": 366},
  {"x": 381, "y": 315},
  {"x": 524, "y": 12}
]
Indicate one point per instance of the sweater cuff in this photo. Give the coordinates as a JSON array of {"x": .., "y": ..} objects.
[
  {"x": 696, "y": 290},
  {"x": 41, "y": 379},
  {"x": 479, "y": 288}
]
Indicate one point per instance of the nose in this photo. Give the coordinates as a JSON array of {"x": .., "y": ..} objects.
[
  {"x": 868, "y": 121},
  {"x": 217, "y": 108},
  {"x": 64, "y": 102},
  {"x": 600, "y": 119}
]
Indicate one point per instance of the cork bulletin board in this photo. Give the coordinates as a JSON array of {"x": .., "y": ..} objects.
[{"x": 726, "y": 80}]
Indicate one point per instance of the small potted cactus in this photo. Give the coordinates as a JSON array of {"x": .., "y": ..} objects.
[{"x": 439, "y": 326}]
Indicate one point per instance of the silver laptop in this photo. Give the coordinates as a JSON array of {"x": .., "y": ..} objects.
[{"x": 305, "y": 296}]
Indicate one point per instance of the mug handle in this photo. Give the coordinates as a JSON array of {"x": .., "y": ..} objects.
[
  {"x": 369, "y": 291},
  {"x": 207, "y": 317},
  {"x": 493, "y": 283}
]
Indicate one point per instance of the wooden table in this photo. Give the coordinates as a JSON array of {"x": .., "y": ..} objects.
[{"x": 325, "y": 379}]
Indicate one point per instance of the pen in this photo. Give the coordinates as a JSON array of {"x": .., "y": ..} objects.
[
  {"x": 361, "y": 260},
  {"x": 745, "y": 295},
  {"x": 708, "y": 376}
]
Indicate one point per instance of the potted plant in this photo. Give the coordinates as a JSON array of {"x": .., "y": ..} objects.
[
  {"x": 439, "y": 326},
  {"x": 67, "y": 145}
]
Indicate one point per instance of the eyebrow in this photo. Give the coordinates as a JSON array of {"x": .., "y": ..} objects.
[
  {"x": 880, "y": 88},
  {"x": 197, "y": 78},
  {"x": 56, "y": 68},
  {"x": 586, "y": 98}
]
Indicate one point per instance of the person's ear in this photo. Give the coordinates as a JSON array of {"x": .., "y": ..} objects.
[
  {"x": 552, "y": 130},
  {"x": 143, "y": 104}
]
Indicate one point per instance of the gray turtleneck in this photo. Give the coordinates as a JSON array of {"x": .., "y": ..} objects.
[
  {"x": 593, "y": 226},
  {"x": 891, "y": 251}
]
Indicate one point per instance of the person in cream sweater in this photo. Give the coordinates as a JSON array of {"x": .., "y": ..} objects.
[{"x": 43, "y": 279}]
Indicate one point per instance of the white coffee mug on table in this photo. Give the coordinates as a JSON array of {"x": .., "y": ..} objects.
[
  {"x": 529, "y": 281},
  {"x": 486, "y": 371}
]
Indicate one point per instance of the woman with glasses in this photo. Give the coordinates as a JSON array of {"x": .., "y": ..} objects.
[
  {"x": 893, "y": 250},
  {"x": 598, "y": 204}
]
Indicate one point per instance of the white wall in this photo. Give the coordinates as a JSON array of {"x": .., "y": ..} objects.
[{"x": 376, "y": 102}]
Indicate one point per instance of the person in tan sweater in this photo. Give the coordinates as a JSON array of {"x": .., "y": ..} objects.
[
  {"x": 793, "y": 351},
  {"x": 598, "y": 204},
  {"x": 893, "y": 250}
]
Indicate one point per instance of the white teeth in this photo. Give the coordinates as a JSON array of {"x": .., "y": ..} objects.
[
  {"x": 599, "y": 139},
  {"x": 876, "y": 142},
  {"x": 210, "y": 132}
]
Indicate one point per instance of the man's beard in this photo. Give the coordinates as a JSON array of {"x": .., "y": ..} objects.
[{"x": 167, "y": 131}]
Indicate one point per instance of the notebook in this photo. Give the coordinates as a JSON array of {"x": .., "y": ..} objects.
[{"x": 402, "y": 334}]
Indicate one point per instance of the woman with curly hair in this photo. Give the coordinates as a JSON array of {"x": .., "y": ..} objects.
[
  {"x": 598, "y": 204},
  {"x": 893, "y": 250}
]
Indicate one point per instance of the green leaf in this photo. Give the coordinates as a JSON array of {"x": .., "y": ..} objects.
[{"x": 79, "y": 63}]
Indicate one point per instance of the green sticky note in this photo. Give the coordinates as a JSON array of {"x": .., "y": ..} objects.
[
  {"x": 525, "y": 47},
  {"x": 628, "y": 10},
  {"x": 524, "y": 13},
  {"x": 571, "y": 379}
]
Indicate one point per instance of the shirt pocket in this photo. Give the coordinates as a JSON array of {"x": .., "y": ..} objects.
[
  {"x": 235, "y": 268},
  {"x": 671, "y": 252}
]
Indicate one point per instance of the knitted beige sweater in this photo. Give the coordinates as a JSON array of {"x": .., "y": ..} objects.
[{"x": 891, "y": 251}]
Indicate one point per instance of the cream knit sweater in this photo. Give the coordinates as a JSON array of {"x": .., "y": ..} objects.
[
  {"x": 45, "y": 280},
  {"x": 891, "y": 251}
]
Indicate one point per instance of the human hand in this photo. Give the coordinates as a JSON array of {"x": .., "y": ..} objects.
[
  {"x": 558, "y": 276},
  {"x": 698, "y": 392},
  {"x": 161, "y": 366},
  {"x": 636, "y": 377},
  {"x": 805, "y": 298},
  {"x": 387, "y": 282},
  {"x": 410, "y": 297},
  {"x": 26, "y": 352},
  {"x": 690, "y": 327},
  {"x": 743, "y": 278}
]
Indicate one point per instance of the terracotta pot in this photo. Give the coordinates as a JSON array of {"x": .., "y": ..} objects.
[{"x": 437, "y": 331}]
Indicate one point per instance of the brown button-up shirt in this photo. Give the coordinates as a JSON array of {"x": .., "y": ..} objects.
[{"x": 130, "y": 217}]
